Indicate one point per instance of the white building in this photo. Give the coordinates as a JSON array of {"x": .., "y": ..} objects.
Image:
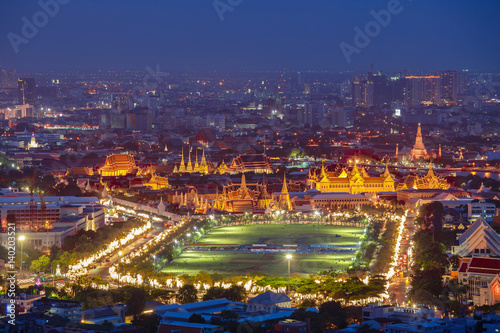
[
  {"x": 396, "y": 313},
  {"x": 65, "y": 308},
  {"x": 479, "y": 240},
  {"x": 481, "y": 208},
  {"x": 47, "y": 224},
  {"x": 482, "y": 277},
  {"x": 269, "y": 302}
]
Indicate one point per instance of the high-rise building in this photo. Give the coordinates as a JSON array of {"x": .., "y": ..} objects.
[
  {"x": 449, "y": 85},
  {"x": 346, "y": 88},
  {"x": 462, "y": 83},
  {"x": 122, "y": 102},
  {"x": 26, "y": 90},
  {"x": 396, "y": 87},
  {"x": 314, "y": 113},
  {"x": 341, "y": 117},
  {"x": 139, "y": 119},
  {"x": 218, "y": 121},
  {"x": 8, "y": 78},
  {"x": 154, "y": 104},
  {"x": 423, "y": 90},
  {"x": 381, "y": 92},
  {"x": 362, "y": 93}
]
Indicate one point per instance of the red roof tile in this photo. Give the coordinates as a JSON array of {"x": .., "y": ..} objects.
[
  {"x": 484, "y": 271},
  {"x": 477, "y": 262}
]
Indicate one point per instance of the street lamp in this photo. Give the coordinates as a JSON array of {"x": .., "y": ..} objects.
[
  {"x": 288, "y": 257},
  {"x": 21, "y": 238}
]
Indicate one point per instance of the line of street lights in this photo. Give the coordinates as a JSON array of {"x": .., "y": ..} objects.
[{"x": 21, "y": 239}]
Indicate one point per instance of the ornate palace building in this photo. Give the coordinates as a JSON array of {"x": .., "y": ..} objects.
[
  {"x": 258, "y": 163},
  {"x": 157, "y": 183},
  {"x": 118, "y": 165},
  {"x": 243, "y": 197},
  {"x": 429, "y": 181},
  {"x": 353, "y": 182},
  {"x": 418, "y": 151}
]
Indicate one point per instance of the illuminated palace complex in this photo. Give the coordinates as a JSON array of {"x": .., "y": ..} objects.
[
  {"x": 244, "y": 197},
  {"x": 258, "y": 163},
  {"x": 157, "y": 183},
  {"x": 429, "y": 181},
  {"x": 118, "y": 165},
  {"x": 353, "y": 182}
]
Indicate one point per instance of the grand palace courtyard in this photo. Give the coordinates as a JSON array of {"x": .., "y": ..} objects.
[{"x": 235, "y": 250}]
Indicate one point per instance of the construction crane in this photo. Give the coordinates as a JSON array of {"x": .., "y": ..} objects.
[
  {"x": 46, "y": 222},
  {"x": 34, "y": 218},
  {"x": 32, "y": 204}
]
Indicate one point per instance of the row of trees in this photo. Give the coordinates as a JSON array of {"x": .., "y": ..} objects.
[
  {"x": 386, "y": 252},
  {"x": 338, "y": 286},
  {"x": 431, "y": 263}
]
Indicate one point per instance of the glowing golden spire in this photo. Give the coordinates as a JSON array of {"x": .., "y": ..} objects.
[{"x": 182, "y": 167}]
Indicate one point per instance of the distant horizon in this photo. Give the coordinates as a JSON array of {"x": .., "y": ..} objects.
[{"x": 222, "y": 71}]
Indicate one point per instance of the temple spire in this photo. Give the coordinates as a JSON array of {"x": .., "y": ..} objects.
[
  {"x": 203, "y": 160},
  {"x": 430, "y": 173},
  {"x": 284, "y": 189},
  {"x": 355, "y": 167},
  {"x": 190, "y": 165},
  {"x": 203, "y": 164},
  {"x": 285, "y": 202},
  {"x": 243, "y": 181},
  {"x": 386, "y": 171},
  {"x": 419, "y": 150},
  {"x": 244, "y": 193},
  {"x": 323, "y": 171},
  {"x": 196, "y": 165},
  {"x": 182, "y": 167}
]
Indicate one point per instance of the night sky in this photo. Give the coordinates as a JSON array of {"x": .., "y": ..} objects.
[{"x": 187, "y": 35}]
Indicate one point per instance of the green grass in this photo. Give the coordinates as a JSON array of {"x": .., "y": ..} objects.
[
  {"x": 235, "y": 263},
  {"x": 283, "y": 234},
  {"x": 240, "y": 263}
]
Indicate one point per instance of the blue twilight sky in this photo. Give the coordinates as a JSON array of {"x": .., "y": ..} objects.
[{"x": 186, "y": 35}]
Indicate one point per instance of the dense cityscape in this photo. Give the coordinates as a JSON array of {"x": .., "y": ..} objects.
[{"x": 213, "y": 200}]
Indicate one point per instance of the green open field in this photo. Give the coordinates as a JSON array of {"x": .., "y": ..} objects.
[
  {"x": 244, "y": 263},
  {"x": 281, "y": 233},
  {"x": 236, "y": 263}
]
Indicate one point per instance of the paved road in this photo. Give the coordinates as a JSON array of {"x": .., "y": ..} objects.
[
  {"x": 103, "y": 270},
  {"x": 399, "y": 286}
]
